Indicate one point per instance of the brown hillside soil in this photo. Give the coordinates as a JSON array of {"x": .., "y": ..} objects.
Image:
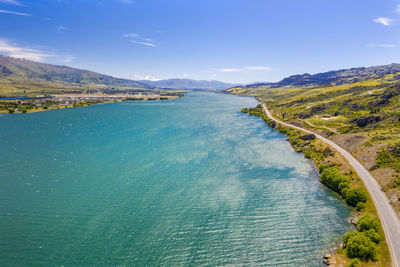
[{"x": 367, "y": 156}]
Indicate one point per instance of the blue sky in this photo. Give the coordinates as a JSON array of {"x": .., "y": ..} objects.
[{"x": 229, "y": 40}]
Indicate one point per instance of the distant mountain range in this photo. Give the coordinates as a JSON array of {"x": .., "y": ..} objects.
[
  {"x": 187, "y": 84},
  {"x": 17, "y": 74},
  {"x": 336, "y": 77}
]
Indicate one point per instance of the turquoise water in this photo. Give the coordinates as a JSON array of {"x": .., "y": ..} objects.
[{"x": 185, "y": 182}]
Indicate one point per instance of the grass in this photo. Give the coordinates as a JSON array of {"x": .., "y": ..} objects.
[{"x": 323, "y": 154}]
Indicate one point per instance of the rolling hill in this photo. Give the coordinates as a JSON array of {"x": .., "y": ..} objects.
[
  {"x": 359, "y": 109},
  {"x": 337, "y": 77},
  {"x": 24, "y": 74}
]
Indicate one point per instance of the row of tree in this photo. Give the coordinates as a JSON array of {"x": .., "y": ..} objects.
[{"x": 334, "y": 179}]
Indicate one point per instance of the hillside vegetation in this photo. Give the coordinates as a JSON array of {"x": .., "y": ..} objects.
[
  {"x": 359, "y": 109},
  {"x": 19, "y": 75}
]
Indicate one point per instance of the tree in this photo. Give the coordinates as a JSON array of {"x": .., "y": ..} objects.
[
  {"x": 354, "y": 263},
  {"x": 358, "y": 245},
  {"x": 354, "y": 196},
  {"x": 360, "y": 206},
  {"x": 366, "y": 222},
  {"x": 333, "y": 178},
  {"x": 373, "y": 235}
]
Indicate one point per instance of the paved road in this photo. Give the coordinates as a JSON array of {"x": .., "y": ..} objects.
[{"x": 389, "y": 219}]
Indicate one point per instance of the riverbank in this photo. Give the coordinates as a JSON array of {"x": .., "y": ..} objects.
[
  {"x": 45, "y": 103},
  {"x": 339, "y": 176}
]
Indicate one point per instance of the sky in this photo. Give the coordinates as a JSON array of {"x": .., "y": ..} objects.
[{"x": 238, "y": 41}]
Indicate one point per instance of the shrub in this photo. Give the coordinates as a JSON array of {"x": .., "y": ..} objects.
[
  {"x": 358, "y": 245},
  {"x": 373, "y": 235},
  {"x": 360, "y": 206},
  {"x": 354, "y": 263},
  {"x": 353, "y": 196},
  {"x": 322, "y": 167},
  {"x": 332, "y": 177},
  {"x": 343, "y": 185},
  {"x": 367, "y": 222},
  {"x": 348, "y": 235}
]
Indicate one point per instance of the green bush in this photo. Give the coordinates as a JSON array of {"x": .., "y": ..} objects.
[
  {"x": 360, "y": 206},
  {"x": 354, "y": 263},
  {"x": 373, "y": 235},
  {"x": 332, "y": 177},
  {"x": 358, "y": 245},
  {"x": 353, "y": 196},
  {"x": 366, "y": 222},
  {"x": 322, "y": 167}
]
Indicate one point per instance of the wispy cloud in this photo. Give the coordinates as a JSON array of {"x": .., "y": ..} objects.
[
  {"x": 137, "y": 39},
  {"x": 231, "y": 70},
  {"x": 397, "y": 10},
  {"x": 261, "y": 68},
  {"x": 145, "y": 77},
  {"x": 11, "y": 2},
  {"x": 61, "y": 29},
  {"x": 14, "y": 13},
  {"x": 382, "y": 45},
  {"x": 13, "y": 50},
  {"x": 143, "y": 43},
  {"x": 384, "y": 21},
  {"x": 126, "y": 1},
  {"x": 248, "y": 68}
]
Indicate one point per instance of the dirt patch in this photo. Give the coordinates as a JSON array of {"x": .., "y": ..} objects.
[
  {"x": 350, "y": 142},
  {"x": 384, "y": 176},
  {"x": 394, "y": 195},
  {"x": 355, "y": 145},
  {"x": 367, "y": 156}
]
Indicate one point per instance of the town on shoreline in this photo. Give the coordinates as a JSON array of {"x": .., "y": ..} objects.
[{"x": 48, "y": 102}]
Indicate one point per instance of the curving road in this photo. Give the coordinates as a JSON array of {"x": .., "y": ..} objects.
[{"x": 390, "y": 221}]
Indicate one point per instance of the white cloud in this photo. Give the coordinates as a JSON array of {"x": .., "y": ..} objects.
[
  {"x": 384, "y": 21},
  {"x": 397, "y": 10},
  {"x": 382, "y": 45},
  {"x": 143, "y": 43},
  {"x": 14, "y": 13},
  {"x": 13, "y": 50},
  {"x": 231, "y": 70},
  {"x": 248, "y": 68},
  {"x": 185, "y": 75},
  {"x": 126, "y": 1},
  {"x": 12, "y": 2},
  {"x": 137, "y": 39},
  {"x": 145, "y": 77},
  {"x": 67, "y": 59},
  {"x": 258, "y": 68},
  {"x": 62, "y": 29}
]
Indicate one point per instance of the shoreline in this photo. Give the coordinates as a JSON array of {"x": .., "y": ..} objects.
[
  {"x": 312, "y": 150},
  {"x": 40, "y": 104}
]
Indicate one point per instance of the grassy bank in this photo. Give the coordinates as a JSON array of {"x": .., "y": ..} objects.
[
  {"x": 38, "y": 105},
  {"x": 365, "y": 246}
]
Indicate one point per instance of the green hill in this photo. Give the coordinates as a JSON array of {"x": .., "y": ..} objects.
[
  {"x": 359, "y": 109},
  {"x": 18, "y": 75}
]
